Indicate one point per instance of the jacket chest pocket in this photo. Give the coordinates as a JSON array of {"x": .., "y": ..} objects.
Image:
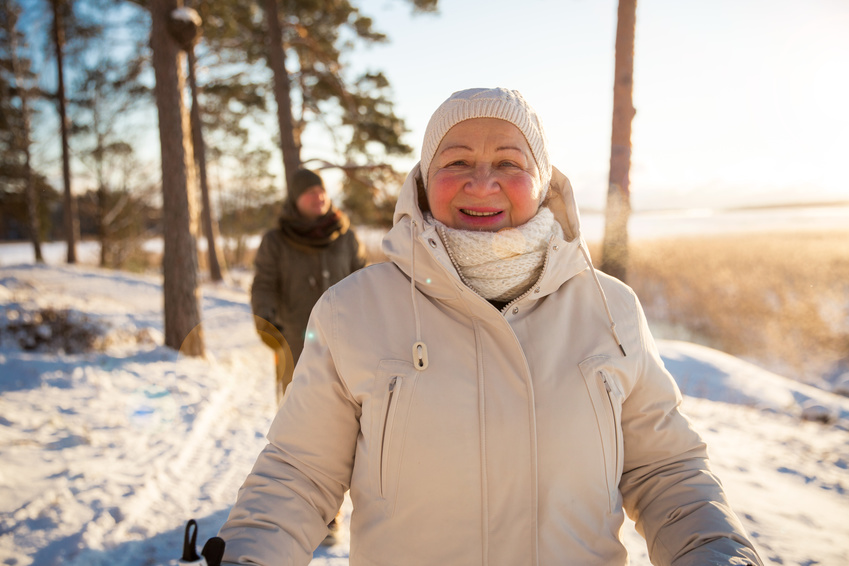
[
  {"x": 607, "y": 397},
  {"x": 393, "y": 391}
]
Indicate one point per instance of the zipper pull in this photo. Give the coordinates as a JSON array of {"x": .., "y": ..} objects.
[{"x": 606, "y": 384}]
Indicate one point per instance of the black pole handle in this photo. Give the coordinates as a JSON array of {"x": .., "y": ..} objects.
[{"x": 190, "y": 553}]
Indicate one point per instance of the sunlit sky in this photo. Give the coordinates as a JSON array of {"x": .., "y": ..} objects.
[{"x": 739, "y": 102}]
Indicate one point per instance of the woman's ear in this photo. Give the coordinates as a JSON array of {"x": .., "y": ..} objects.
[{"x": 424, "y": 205}]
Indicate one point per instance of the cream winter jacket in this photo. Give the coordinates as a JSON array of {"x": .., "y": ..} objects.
[{"x": 512, "y": 437}]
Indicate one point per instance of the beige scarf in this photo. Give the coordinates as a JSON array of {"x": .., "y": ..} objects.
[{"x": 501, "y": 265}]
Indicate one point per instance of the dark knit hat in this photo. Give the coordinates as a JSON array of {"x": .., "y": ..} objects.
[{"x": 302, "y": 180}]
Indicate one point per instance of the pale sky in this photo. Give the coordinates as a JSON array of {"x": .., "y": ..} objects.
[{"x": 739, "y": 102}]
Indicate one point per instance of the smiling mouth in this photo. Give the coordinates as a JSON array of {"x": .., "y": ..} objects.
[{"x": 476, "y": 213}]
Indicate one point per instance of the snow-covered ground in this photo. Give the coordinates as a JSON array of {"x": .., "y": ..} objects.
[{"x": 105, "y": 453}]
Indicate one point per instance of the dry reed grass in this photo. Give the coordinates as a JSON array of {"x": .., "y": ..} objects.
[{"x": 780, "y": 299}]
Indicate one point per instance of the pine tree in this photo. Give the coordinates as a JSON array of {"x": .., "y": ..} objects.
[
  {"x": 228, "y": 97},
  {"x": 210, "y": 231},
  {"x": 309, "y": 34},
  {"x": 72, "y": 228},
  {"x": 15, "y": 123},
  {"x": 179, "y": 226},
  {"x": 615, "y": 245}
]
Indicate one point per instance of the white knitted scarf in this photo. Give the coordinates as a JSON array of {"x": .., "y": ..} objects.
[{"x": 501, "y": 265}]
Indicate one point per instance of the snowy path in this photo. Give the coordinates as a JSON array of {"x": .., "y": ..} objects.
[
  {"x": 126, "y": 447},
  {"x": 105, "y": 455}
]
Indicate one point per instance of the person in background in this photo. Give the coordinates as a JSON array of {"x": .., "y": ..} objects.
[
  {"x": 486, "y": 395},
  {"x": 312, "y": 248}
]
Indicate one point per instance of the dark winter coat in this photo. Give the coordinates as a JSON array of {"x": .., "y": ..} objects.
[{"x": 291, "y": 277}]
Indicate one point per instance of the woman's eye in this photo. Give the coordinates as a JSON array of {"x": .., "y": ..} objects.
[
  {"x": 458, "y": 163},
  {"x": 507, "y": 164}
]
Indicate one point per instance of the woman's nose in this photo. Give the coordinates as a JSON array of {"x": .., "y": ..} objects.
[{"x": 483, "y": 181}]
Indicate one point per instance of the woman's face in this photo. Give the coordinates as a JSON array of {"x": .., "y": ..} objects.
[{"x": 483, "y": 177}]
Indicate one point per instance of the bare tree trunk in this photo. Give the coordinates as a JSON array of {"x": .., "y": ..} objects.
[
  {"x": 179, "y": 262},
  {"x": 102, "y": 191},
  {"x": 615, "y": 247},
  {"x": 72, "y": 227},
  {"x": 209, "y": 230},
  {"x": 102, "y": 232},
  {"x": 32, "y": 203},
  {"x": 282, "y": 88},
  {"x": 23, "y": 136}
]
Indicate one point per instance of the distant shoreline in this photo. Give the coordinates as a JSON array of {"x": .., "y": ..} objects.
[
  {"x": 721, "y": 209},
  {"x": 789, "y": 205}
]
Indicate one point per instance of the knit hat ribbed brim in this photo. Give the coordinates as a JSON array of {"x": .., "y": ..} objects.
[{"x": 501, "y": 103}]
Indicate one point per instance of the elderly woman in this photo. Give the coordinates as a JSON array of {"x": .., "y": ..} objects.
[{"x": 487, "y": 396}]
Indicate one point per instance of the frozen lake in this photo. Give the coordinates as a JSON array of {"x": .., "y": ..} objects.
[{"x": 693, "y": 222}]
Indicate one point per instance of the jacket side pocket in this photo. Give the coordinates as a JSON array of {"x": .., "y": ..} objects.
[
  {"x": 393, "y": 391},
  {"x": 607, "y": 398},
  {"x": 388, "y": 412}
]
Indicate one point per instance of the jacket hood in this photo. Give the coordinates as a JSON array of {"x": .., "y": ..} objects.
[
  {"x": 561, "y": 200},
  {"x": 416, "y": 248},
  {"x": 409, "y": 227}
]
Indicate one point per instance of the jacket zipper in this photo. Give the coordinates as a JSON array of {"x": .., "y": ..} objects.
[
  {"x": 609, "y": 391},
  {"x": 392, "y": 383},
  {"x": 532, "y": 287},
  {"x": 456, "y": 265}
]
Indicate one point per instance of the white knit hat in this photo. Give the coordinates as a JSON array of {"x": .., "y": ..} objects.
[{"x": 501, "y": 103}]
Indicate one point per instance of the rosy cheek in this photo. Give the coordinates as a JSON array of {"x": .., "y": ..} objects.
[{"x": 438, "y": 191}]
